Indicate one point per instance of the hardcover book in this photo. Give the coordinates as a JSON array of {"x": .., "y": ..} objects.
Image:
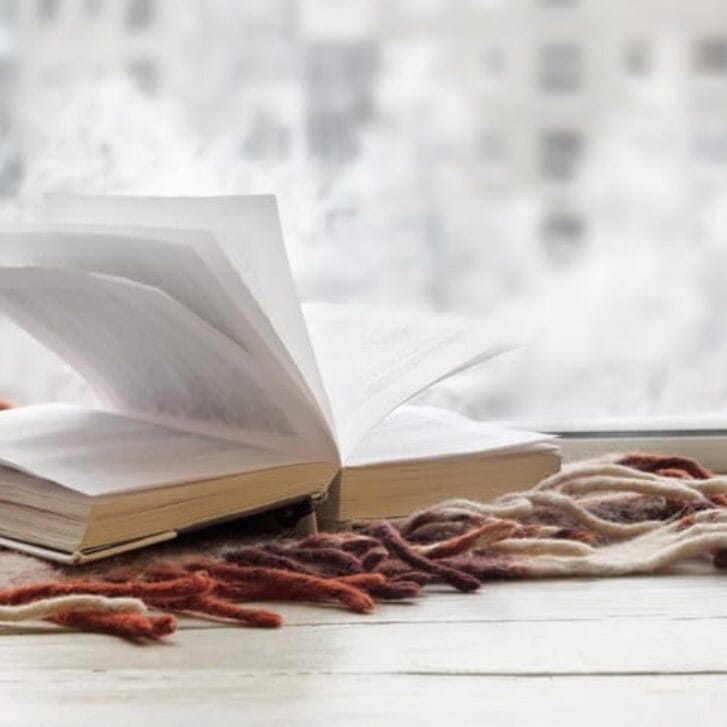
[{"x": 218, "y": 393}]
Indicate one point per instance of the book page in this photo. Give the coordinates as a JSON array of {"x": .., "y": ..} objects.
[
  {"x": 177, "y": 269},
  {"x": 180, "y": 269},
  {"x": 148, "y": 356},
  {"x": 99, "y": 453},
  {"x": 415, "y": 432},
  {"x": 373, "y": 361},
  {"x": 247, "y": 228}
]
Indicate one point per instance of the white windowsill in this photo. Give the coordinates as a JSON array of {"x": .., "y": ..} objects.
[
  {"x": 703, "y": 438},
  {"x": 708, "y": 447}
]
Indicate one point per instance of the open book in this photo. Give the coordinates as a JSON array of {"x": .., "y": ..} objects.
[{"x": 218, "y": 393}]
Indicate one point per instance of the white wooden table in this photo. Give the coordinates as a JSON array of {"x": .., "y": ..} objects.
[{"x": 632, "y": 651}]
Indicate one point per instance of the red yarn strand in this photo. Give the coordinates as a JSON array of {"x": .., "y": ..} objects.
[{"x": 126, "y": 625}]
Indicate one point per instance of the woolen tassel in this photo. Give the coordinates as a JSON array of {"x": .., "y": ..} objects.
[
  {"x": 392, "y": 539},
  {"x": 683, "y": 467},
  {"x": 324, "y": 561},
  {"x": 48, "y": 607},
  {"x": 484, "y": 535},
  {"x": 218, "y": 607},
  {"x": 189, "y": 585},
  {"x": 258, "y": 556},
  {"x": 260, "y": 584},
  {"x": 377, "y": 585},
  {"x": 412, "y": 576},
  {"x": 350, "y": 542},
  {"x": 126, "y": 625}
]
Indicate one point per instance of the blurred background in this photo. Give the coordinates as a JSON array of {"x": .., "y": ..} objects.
[{"x": 557, "y": 168}]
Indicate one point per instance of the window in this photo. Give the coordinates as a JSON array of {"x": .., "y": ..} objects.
[
  {"x": 560, "y": 152},
  {"x": 563, "y": 235},
  {"x": 710, "y": 55},
  {"x": 48, "y": 10},
  {"x": 145, "y": 73},
  {"x": 321, "y": 19},
  {"x": 267, "y": 139},
  {"x": 637, "y": 57},
  {"x": 710, "y": 147},
  {"x": 10, "y": 166},
  {"x": 493, "y": 62},
  {"x": 488, "y": 5},
  {"x": 560, "y": 67},
  {"x": 491, "y": 148},
  {"x": 140, "y": 14},
  {"x": 331, "y": 137},
  {"x": 93, "y": 8},
  {"x": 558, "y": 4},
  {"x": 423, "y": 7},
  {"x": 339, "y": 76},
  {"x": 8, "y": 11},
  {"x": 8, "y": 77},
  {"x": 10, "y": 169},
  {"x": 339, "y": 221}
]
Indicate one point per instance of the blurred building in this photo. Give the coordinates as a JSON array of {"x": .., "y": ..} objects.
[{"x": 539, "y": 78}]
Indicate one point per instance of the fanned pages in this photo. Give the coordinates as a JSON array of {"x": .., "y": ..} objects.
[
  {"x": 217, "y": 395},
  {"x": 373, "y": 361},
  {"x": 148, "y": 356},
  {"x": 191, "y": 269},
  {"x": 413, "y": 432},
  {"x": 248, "y": 230}
]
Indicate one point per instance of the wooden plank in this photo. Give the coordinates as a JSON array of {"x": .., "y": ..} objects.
[
  {"x": 186, "y": 700},
  {"x": 664, "y": 597},
  {"x": 577, "y": 599},
  {"x": 623, "y": 651},
  {"x": 628, "y": 646}
]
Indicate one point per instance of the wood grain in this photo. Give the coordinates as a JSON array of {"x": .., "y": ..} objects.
[
  {"x": 624, "y": 651},
  {"x": 179, "y": 700}
]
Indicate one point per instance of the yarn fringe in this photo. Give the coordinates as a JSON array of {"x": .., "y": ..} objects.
[{"x": 638, "y": 513}]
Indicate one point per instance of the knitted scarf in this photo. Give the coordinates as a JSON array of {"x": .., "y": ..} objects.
[{"x": 638, "y": 513}]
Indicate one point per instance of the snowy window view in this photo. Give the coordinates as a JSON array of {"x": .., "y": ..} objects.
[
  {"x": 560, "y": 67},
  {"x": 711, "y": 55},
  {"x": 555, "y": 168}
]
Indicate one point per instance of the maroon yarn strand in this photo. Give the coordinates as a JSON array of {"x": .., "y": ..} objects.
[{"x": 396, "y": 544}]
